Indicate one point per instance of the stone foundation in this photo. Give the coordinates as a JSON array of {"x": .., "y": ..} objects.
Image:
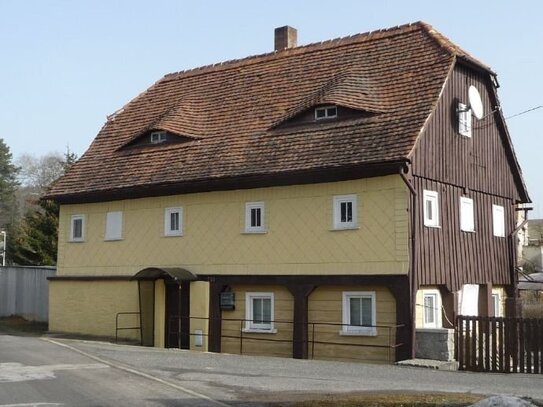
[{"x": 436, "y": 344}]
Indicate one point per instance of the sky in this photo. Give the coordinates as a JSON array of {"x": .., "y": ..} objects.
[{"x": 66, "y": 65}]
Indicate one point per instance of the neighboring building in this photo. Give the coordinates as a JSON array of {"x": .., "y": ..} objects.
[
  {"x": 532, "y": 250},
  {"x": 307, "y": 199}
]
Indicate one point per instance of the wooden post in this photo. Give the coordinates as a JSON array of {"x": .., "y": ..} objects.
[
  {"x": 406, "y": 334},
  {"x": 300, "y": 292},
  {"x": 215, "y": 317},
  {"x": 486, "y": 305},
  {"x": 184, "y": 340}
]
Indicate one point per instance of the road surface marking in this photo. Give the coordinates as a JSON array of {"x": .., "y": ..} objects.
[
  {"x": 138, "y": 373},
  {"x": 31, "y": 405},
  {"x": 17, "y": 372}
]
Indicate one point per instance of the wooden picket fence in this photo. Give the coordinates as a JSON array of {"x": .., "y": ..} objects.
[{"x": 506, "y": 345}]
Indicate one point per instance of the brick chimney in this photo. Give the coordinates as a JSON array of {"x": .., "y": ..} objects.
[{"x": 285, "y": 37}]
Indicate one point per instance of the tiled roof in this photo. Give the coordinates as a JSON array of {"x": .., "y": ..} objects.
[{"x": 231, "y": 111}]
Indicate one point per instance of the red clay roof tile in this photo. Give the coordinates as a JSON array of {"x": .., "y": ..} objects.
[{"x": 231, "y": 110}]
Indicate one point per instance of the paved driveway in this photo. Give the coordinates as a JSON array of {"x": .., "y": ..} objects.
[{"x": 192, "y": 378}]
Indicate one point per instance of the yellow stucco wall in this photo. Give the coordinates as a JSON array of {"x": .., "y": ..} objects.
[
  {"x": 299, "y": 238},
  {"x": 160, "y": 313},
  {"x": 325, "y": 307},
  {"x": 278, "y": 343},
  {"x": 199, "y": 308},
  {"x": 90, "y": 307}
]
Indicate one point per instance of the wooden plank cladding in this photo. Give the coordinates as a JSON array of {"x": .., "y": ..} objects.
[
  {"x": 446, "y": 255},
  {"x": 505, "y": 345},
  {"x": 483, "y": 162}
]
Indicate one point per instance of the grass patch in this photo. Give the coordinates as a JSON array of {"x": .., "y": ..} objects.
[
  {"x": 20, "y": 326},
  {"x": 393, "y": 399}
]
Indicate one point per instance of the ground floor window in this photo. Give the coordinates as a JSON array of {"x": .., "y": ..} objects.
[
  {"x": 259, "y": 311},
  {"x": 359, "y": 313},
  {"x": 432, "y": 309},
  {"x": 496, "y": 300}
]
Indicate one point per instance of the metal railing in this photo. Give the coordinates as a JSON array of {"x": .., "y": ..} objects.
[
  {"x": 314, "y": 329},
  {"x": 117, "y": 328}
]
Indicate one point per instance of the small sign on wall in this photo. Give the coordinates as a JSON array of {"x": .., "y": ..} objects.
[{"x": 228, "y": 301}]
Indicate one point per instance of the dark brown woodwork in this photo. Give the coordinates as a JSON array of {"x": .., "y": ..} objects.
[
  {"x": 173, "y": 307},
  {"x": 486, "y": 305},
  {"x": 451, "y": 257},
  {"x": 397, "y": 284},
  {"x": 90, "y": 278},
  {"x": 485, "y": 162},
  {"x": 505, "y": 345},
  {"x": 184, "y": 314},
  {"x": 300, "y": 327},
  {"x": 215, "y": 316},
  {"x": 246, "y": 182}
]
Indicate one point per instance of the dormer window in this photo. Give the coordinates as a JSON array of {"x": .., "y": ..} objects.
[
  {"x": 325, "y": 112},
  {"x": 158, "y": 137}
]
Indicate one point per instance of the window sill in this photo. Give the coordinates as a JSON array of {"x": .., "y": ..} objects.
[
  {"x": 339, "y": 229},
  {"x": 362, "y": 332},
  {"x": 259, "y": 331},
  {"x": 174, "y": 235},
  {"x": 113, "y": 240},
  {"x": 76, "y": 241},
  {"x": 432, "y": 226},
  {"x": 254, "y": 232},
  {"x": 468, "y": 231}
]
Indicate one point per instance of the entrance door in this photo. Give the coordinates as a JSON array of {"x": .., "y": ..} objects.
[{"x": 177, "y": 315}]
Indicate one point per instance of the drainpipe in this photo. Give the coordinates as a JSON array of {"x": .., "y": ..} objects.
[{"x": 412, "y": 238}]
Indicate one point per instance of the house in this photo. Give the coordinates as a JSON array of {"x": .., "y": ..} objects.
[
  {"x": 532, "y": 248},
  {"x": 336, "y": 200}
]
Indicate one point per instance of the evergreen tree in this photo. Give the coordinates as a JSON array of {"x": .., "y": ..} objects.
[{"x": 8, "y": 186}]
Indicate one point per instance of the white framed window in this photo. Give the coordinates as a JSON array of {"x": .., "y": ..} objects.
[
  {"x": 345, "y": 211},
  {"x": 498, "y": 220},
  {"x": 173, "y": 221},
  {"x": 431, "y": 305},
  {"x": 467, "y": 220},
  {"x": 431, "y": 208},
  {"x": 359, "y": 313},
  {"x": 254, "y": 217},
  {"x": 158, "y": 137},
  {"x": 496, "y": 301},
  {"x": 464, "y": 120},
  {"x": 325, "y": 112},
  {"x": 259, "y": 312},
  {"x": 114, "y": 225},
  {"x": 77, "y": 228}
]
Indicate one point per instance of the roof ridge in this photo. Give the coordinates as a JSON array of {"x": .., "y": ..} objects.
[{"x": 341, "y": 41}]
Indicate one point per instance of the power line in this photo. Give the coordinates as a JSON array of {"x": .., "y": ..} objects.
[{"x": 524, "y": 112}]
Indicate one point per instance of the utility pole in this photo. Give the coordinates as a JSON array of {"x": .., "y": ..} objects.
[{"x": 4, "y": 235}]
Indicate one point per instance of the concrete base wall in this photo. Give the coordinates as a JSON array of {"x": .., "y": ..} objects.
[{"x": 436, "y": 344}]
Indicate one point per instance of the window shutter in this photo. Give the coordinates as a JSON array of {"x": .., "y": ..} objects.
[
  {"x": 467, "y": 223},
  {"x": 114, "y": 225},
  {"x": 498, "y": 220}
]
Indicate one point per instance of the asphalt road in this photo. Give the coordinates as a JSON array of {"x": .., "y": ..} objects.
[
  {"x": 88, "y": 373},
  {"x": 34, "y": 372}
]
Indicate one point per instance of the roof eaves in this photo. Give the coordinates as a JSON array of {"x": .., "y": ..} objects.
[
  {"x": 434, "y": 106},
  {"x": 451, "y": 47}
]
